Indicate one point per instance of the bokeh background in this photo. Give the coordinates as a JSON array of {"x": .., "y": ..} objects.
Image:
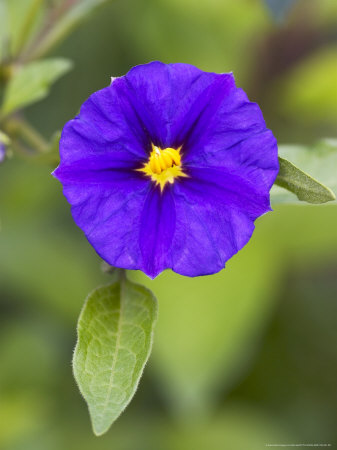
[{"x": 241, "y": 359}]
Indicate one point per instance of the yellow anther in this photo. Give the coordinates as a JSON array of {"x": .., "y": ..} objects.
[
  {"x": 167, "y": 158},
  {"x": 164, "y": 165},
  {"x": 174, "y": 155},
  {"x": 162, "y": 162},
  {"x": 154, "y": 164}
]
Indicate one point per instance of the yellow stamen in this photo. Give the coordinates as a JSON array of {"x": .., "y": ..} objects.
[
  {"x": 175, "y": 155},
  {"x": 163, "y": 166},
  {"x": 167, "y": 158}
]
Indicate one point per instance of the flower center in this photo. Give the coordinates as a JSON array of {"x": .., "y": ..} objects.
[
  {"x": 161, "y": 160},
  {"x": 163, "y": 166}
]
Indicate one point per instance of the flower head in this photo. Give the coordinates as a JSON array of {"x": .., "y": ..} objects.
[{"x": 168, "y": 167}]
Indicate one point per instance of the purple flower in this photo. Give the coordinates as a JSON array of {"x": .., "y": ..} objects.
[
  {"x": 168, "y": 167},
  {"x": 2, "y": 152}
]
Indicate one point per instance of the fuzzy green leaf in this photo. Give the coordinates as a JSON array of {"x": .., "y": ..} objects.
[
  {"x": 32, "y": 82},
  {"x": 303, "y": 185},
  {"x": 296, "y": 163},
  {"x": 115, "y": 331}
]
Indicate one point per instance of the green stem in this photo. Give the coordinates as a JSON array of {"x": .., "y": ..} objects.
[
  {"x": 121, "y": 274},
  {"x": 117, "y": 273},
  {"x": 27, "y": 25},
  {"x": 20, "y": 128},
  {"x": 52, "y": 32}
]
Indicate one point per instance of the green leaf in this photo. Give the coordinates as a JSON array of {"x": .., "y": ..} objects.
[
  {"x": 303, "y": 185},
  {"x": 320, "y": 161},
  {"x": 32, "y": 82},
  {"x": 115, "y": 331}
]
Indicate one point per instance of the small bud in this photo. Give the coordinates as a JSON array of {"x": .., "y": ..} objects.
[
  {"x": 2, "y": 152},
  {"x": 4, "y": 141}
]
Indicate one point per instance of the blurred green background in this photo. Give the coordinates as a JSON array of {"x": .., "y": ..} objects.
[{"x": 241, "y": 359}]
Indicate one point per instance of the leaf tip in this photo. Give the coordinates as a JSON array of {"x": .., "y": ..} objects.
[{"x": 99, "y": 430}]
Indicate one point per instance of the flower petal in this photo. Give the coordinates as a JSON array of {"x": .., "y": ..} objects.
[
  {"x": 225, "y": 187},
  {"x": 215, "y": 214},
  {"x": 110, "y": 214},
  {"x": 223, "y": 126},
  {"x": 170, "y": 97},
  {"x": 254, "y": 159},
  {"x": 105, "y": 129},
  {"x": 157, "y": 230}
]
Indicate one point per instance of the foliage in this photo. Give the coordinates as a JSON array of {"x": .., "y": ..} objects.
[
  {"x": 115, "y": 332},
  {"x": 319, "y": 160},
  {"x": 32, "y": 82}
]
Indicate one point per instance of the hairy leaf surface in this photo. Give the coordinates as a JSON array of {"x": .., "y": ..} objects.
[{"x": 115, "y": 331}]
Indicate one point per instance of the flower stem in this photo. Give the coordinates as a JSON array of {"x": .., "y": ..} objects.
[
  {"x": 27, "y": 25},
  {"x": 117, "y": 273},
  {"x": 52, "y": 32},
  {"x": 19, "y": 128}
]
